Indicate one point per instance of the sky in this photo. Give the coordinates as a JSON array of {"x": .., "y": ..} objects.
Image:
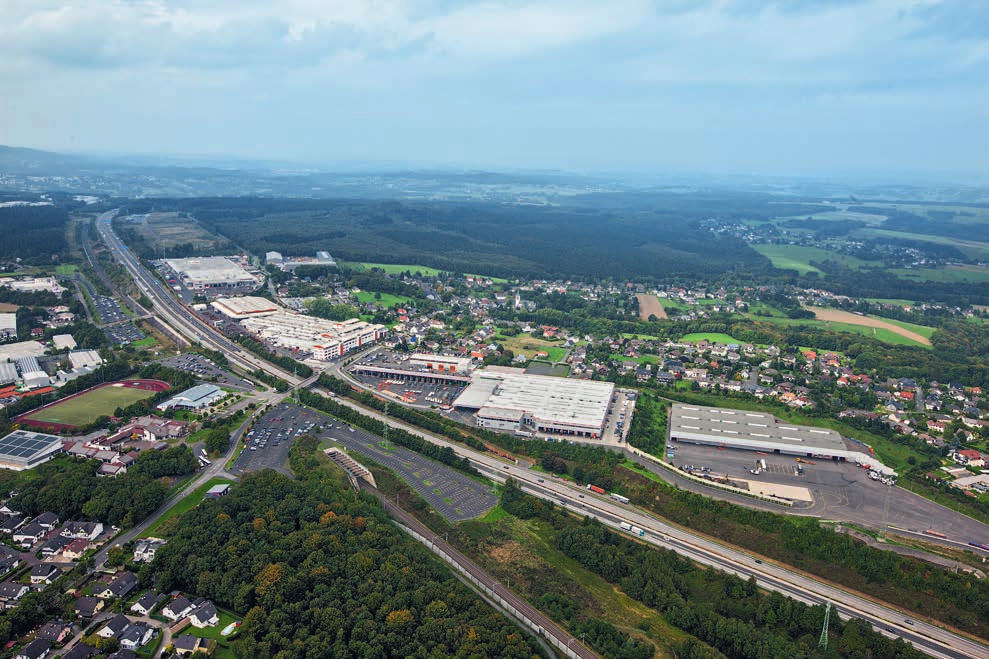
[{"x": 811, "y": 87}]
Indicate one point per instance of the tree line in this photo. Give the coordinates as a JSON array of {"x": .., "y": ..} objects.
[{"x": 318, "y": 570}]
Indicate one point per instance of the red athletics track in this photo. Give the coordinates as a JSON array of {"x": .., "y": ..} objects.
[{"x": 147, "y": 385}]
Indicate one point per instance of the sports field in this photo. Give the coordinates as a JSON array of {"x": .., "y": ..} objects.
[{"x": 88, "y": 406}]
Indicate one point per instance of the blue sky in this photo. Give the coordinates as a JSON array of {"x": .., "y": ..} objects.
[{"x": 789, "y": 87}]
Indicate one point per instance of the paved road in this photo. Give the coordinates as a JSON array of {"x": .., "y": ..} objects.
[
  {"x": 214, "y": 470},
  {"x": 927, "y": 636},
  {"x": 550, "y": 629}
]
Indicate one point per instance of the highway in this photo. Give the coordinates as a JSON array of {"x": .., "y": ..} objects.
[
  {"x": 929, "y": 638},
  {"x": 175, "y": 314}
]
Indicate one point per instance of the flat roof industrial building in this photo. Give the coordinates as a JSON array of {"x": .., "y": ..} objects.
[
  {"x": 245, "y": 307},
  {"x": 23, "y": 449},
  {"x": 326, "y": 339},
  {"x": 212, "y": 272},
  {"x": 509, "y": 399},
  {"x": 8, "y": 325},
  {"x": 194, "y": 398},
  {"x": 418, "y": 367},
  {"x": 757, "y": 431}
]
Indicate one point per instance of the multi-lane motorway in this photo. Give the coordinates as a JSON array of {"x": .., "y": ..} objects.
[
  {"x": 929, "y": 638},
  {"x": 174, "y": 312},
  {"x": 934, "y": 640}
]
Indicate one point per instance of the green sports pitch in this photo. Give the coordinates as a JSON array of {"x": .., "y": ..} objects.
[{"x": 89, "y": 406}]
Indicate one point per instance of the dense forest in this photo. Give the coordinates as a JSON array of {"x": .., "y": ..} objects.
[
  {"x": 320, "y": 571},
  {"x": 32, "y": 233},
  {"x": 651, "y": 241}
]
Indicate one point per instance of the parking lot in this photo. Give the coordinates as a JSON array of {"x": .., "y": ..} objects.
[
  {"x": 123, "y": 334},
  {"x": 108, "y": 309},
  {"x": 206, "y": 370},
  {"x": 842, "y": 491},
  {"x": 268, "y": 442},
  {"x": 452, "y": 494}
]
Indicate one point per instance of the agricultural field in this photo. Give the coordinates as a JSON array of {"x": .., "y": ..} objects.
[
  {"x": 397, "y": 269},
  {"x": 952, "y": 273},
  {"x": 896, "y": 332},
  {"x": 383, "y": 299},
  {"x": 169, "y": 230},
  {"x": 88, "y": 406},
  {"x": 712, "y": 337},
  {"x": 649, "y": 305},
  {"x": 798, "y": 257},
  {"x": 525, "y": 343}
]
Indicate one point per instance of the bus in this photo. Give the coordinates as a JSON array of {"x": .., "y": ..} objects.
[{"x": 619, "y": 498}]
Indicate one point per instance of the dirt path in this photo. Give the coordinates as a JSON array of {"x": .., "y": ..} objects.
[
  {"x": 649, "y": 305},
  {"x": 834, "y": 315}
]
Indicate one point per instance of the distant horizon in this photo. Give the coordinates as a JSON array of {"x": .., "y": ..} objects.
[
  {"x": 805, "y": 88},
  {"x": 367, "y": 165}
]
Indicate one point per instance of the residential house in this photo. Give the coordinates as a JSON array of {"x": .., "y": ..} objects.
[
  {"x": 36, "y": 649},
  {"x": 87, "y": 607},
  {"x": 147, "y": 603},
  {"x": 122, "y": 584},
  {"x": 136, "y": 636},
  {"x": 969, "y": 457},
  {"x": 186, "y": 645},
  {"x": 55, "y": 631},
  {"x": 29, "y": 534},
  {"x": 76, "y": 549},
  {"x": 46, "y": 519},
  {"x": 11, "y": 524},
  {"x": 177, "y": 608},
  {"x": 11, "y": 593},
  {"x": 204, "y": 615},
  {"x": 87, "y": 530},
  {"x": 9, "y": 562},
  {"x": 80, "y": 651},
  {"x": 123, "y": 654},
  {"x": 114, "y": 627},
  {"x": 44, "y": 573},
  {"x": 55, "y": 546},
  {"x": 144, "y": 551}
]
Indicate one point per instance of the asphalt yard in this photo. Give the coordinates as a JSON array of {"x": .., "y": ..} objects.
[
  {"x": 205, "y": 370},
  {"x": 123, "y": 334},
  {"x": 841, "y": 491},
  {"x": 454, "y": 495},
  {"x": 269, "y": 441}
]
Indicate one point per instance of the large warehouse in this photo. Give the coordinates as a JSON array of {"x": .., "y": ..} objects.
[
  {"x": 245, "y": 307},
  {"x": 212, "y": 273},
  {"x": 756, "y": 431},
  {"x": 509, "y": 399},
  {"x": 23, "y": 449}
]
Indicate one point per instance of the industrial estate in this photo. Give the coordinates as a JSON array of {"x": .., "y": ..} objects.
[{"x": 173, "y": 381}]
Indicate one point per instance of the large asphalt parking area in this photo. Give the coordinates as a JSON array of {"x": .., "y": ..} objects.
[
  {"x": 454, "y": 495},
  {"x": 842, "y": 492}
]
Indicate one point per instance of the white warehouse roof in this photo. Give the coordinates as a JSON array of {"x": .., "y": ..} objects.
[
  {"x": 758, "y": 431},
  {"x": 557, "y": 401}
]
